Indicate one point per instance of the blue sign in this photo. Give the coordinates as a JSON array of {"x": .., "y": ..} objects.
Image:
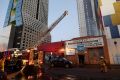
[{"x": 81, "y": 47}]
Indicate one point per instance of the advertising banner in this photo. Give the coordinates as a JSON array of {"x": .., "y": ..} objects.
[{"x": 82, "y": 44}]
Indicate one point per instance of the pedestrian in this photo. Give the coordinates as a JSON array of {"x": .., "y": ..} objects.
[{"x": 103, "y": 64}]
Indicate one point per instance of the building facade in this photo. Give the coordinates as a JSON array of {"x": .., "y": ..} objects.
[
  {"x": 80, "y": 50},
  {"x": 87, "y": 50},
  {"x": 5, "y": 37},
  {"x": 109, "y": 15},
  {"x": 30, "y": 20},
  {"x": 87, "y": 18}
]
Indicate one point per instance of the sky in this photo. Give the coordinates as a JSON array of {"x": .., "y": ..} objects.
[
  {"x": 66, "y": 29},
  {"x": 3, "y": 10}
]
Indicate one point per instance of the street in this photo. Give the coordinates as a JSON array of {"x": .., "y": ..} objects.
[
  {"x": 83, "y": 74},
  {"x": 60, "y": 40},
  {"x": 76, "y": 74}
]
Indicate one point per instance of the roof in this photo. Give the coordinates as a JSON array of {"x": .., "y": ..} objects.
[{"x": 86, "y": 37}]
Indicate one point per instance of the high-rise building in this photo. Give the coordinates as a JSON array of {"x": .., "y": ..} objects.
[
  {"x": 29, "y": 19},
  {"x": 88, "y": 25}
]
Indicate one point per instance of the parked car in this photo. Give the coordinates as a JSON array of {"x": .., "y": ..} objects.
[{"x": 60, "y": 62}]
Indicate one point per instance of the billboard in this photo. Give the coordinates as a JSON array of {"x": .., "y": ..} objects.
[
  {"x": 87, "y": 42},
  {"x": 81, "y": 44}
]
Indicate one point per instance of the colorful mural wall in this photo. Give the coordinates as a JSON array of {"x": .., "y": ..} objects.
[
  {"x": 109, "y": 13},
  {"x": 109, "y": 22}
]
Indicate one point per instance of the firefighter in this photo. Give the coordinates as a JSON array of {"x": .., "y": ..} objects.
[
  {"x": 103, "y": 64},
  {"x": 3, "y": 75},
  {"x": 2, "y": 61}
]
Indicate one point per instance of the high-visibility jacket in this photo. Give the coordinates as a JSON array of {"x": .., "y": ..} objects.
[{"x": 2, "y": 64}]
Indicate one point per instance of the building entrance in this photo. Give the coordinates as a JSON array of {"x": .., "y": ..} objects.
[
  {"x": 95, "y": 54},
  {"x": 81, "y": 59}
]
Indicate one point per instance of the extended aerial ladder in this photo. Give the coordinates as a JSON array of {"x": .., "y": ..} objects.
[
  {"x": 45, "y": 34},
  {"x": 52, "y": 26}
]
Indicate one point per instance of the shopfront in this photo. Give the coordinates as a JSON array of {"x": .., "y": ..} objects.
[
  {"x": 56, "y": 48},
  {"x": 86, "y": 50}
]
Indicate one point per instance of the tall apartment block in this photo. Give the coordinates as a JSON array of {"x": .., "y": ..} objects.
[
  {"x": 29, "y": 20},
  {"x": 87, "y": 18}
]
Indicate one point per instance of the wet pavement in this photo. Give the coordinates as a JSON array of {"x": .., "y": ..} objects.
[
  {"x": 84, "y": 74},
  {"x": 74, "y": 74}
]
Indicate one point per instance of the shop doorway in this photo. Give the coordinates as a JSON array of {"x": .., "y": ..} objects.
[
  {"x": 81, "y": 59},
  {"x": 95, "y": 54}
]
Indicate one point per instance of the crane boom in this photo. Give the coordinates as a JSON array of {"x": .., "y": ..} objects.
[{"x": 52, "y": 26}]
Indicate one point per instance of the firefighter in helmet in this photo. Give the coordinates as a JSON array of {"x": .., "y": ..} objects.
[{"x": 103, "y": 64}]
